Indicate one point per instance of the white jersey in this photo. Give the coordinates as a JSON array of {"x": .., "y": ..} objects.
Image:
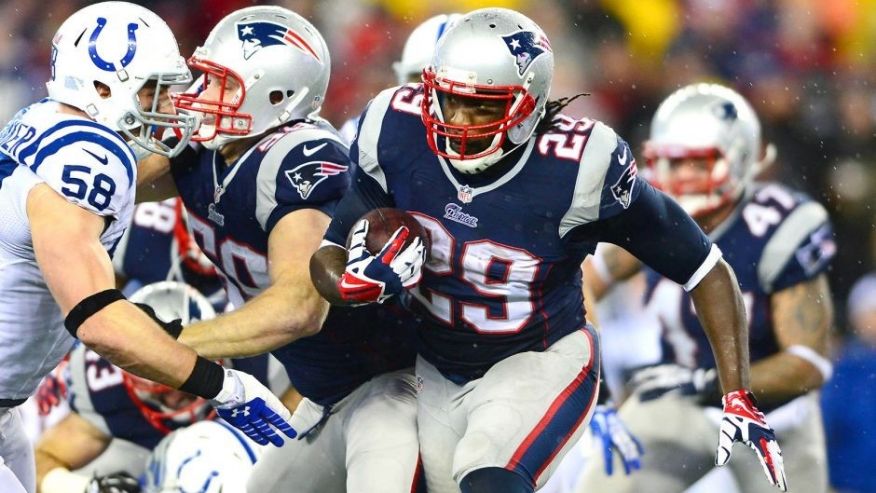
[{"x": 89, "y": 165}]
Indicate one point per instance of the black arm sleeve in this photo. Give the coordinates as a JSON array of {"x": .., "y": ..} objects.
[{"x": 657, "y": 231}]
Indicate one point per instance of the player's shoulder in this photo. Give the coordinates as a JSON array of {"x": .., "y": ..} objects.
[
  {"x": 778, "y": 212},
  {"x": 604, "y": 167},
  {"x": 795, "y": 232},
  {"x": 393, "y": 110},
  {"x": 301, "y": 142}
]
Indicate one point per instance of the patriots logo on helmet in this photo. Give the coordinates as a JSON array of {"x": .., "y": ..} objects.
[
  {"x": 260, "y": 34},
  {"x": 308, "y": 175},
  {"x": 525, "y": 47}
]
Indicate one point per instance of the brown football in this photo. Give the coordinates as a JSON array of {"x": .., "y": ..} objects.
[{"x": 383, "y": 222}]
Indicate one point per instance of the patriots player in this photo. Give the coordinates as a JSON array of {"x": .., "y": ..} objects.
[
  {"x": 416, "y": 55},
  {"x": 259, "y": 190},
  {"x": 514, "y": 197},
  {"x": 67, "y": 192},
  {"x": 704, "y": 150},
  {"x": 158, "y": 246}
]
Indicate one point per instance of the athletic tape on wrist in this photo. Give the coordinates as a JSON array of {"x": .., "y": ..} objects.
[{"x": 205, "y": 380}]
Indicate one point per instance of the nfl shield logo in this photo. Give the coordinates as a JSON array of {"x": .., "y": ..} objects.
[{"x": 464, "y": 194}]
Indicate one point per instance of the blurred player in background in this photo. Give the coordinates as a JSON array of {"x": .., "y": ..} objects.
[
  {"x": 260, "y": 188},
  {"x": 417, "y": 54},
  {"x": 705, "y": 150},
  {"x": 67, "y": 193},
  {"x": 514, "y": 197},
  {"x": 207, "y": 457},
  {"x": 158, "y": 246},
  {"x": 112, "y": 406}
]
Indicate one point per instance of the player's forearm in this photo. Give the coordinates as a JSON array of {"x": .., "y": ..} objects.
[
  {"x": 719, "y": 307},
  {"x": 326, "y": 267},
  {"x": 782, "y": 377},
  {"x": 128, "y": 338},
  {"x": 71, "y": 444},
  {"x": 281, "y": 314}
]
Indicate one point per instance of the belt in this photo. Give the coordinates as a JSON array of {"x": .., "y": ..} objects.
[{"x": 11, "y": 402}]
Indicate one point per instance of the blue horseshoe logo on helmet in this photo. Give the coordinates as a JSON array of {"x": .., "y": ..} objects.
[{"x": 129, "y": 55}]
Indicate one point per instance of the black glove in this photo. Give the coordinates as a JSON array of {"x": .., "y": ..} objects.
[
  {"x": 174, "y": 327},
  {"x": 120, "y": 482}
]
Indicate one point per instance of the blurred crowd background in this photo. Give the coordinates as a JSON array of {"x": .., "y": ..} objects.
[{"x": 807, "y": 66}]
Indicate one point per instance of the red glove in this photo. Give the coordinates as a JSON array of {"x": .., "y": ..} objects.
[{"x": 743, "y": 422}]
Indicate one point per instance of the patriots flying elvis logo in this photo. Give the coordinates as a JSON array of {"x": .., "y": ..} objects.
[
  {"x": 525, "y": 47},
  {"x": 307, "y": 176},
  {"x": 260, "y": 34}
]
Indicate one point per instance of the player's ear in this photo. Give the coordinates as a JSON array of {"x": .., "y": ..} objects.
[{"x": 103, "y": 90}]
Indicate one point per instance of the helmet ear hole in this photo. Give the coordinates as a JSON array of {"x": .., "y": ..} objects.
[
  {"x": 102, "y": 89},
  {"x": 275, "y": 97}
]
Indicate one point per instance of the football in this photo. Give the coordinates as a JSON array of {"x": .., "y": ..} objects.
[{"x": 383, "y": 222}]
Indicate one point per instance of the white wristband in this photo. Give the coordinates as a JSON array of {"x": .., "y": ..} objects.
[
  {"x": 601, "y": 269},
  {"x": 824, "y": 366},
  {"x": 61, "y": 480}
]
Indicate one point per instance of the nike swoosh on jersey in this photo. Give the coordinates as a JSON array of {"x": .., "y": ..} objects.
[
  {"x": 622, "y": 159},
  {"x": 102, "y": 160},
  {"x": 310, "y": 152}
]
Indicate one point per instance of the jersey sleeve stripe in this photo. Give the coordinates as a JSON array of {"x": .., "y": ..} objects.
[
  {"x": 369, "y": 135},
  {"x": 784, "y": 242},
  {"x": 32, "y": 148},
  {"x": 87, "y": 136},
  {"x": 711, "y": 259},
  {"x": 591, "y": 178}
]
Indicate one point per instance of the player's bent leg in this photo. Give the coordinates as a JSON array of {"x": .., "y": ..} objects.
[
  {"x": 494, "y": 480},
  {"x": 803, "y": 450},
  {"x": 17, "y": 466},
  {"x": 312, "y": 464},
  {"x": 529, "y": 409},
  {"x": 679, "y": 443},
  {"x": 8, "y": 481},
  {"x": 380, "y": 430},
  {"x": 440, "y": 424}
]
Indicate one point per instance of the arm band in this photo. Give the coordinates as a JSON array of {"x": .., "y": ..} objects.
[
  {"x": 205, "y": 380},
  {"x": 88, "y": 307},
  {"x": 822, "y": 364}
]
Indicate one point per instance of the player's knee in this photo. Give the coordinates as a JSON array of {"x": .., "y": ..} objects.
[{"x": 495, "y": 480}]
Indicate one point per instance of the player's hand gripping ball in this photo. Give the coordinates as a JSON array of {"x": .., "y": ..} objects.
[{"x": 386, "y": 252}]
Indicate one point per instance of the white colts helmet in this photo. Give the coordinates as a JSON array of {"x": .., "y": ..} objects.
[
  {"x": 420, "y": 47},
  {"x": 207, "y": 457},
  {"x": 123, "y": 46},
  {"x": 494, "y": 55},
  {"x": 280, "y": 62},
  {"x": 173, "y": 300},
  {"x": 705, "y": 121}
]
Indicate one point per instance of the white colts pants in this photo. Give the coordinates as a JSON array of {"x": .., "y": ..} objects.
[{"x": 17, "y": 467}]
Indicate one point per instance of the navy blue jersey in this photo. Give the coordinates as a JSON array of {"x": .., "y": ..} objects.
[
  {"x": 233, "y": 210},
  {"x": 96, "y": 391},
  {"x": 150, "y": 252},
  {"x": 503, "y": 274},
  {"x": 774, "y": 239}
]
